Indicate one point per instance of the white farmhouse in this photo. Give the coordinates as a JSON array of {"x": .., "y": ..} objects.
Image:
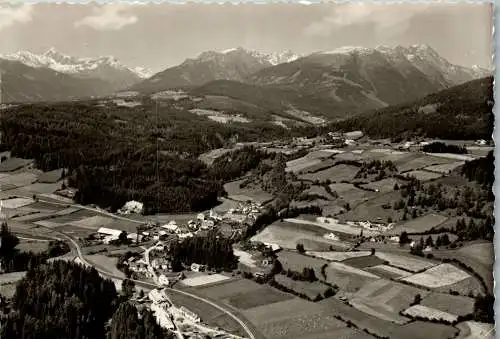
[{"x": 163, "y": 280}]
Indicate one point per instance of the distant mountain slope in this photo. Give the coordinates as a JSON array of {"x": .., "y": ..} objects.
[
  {"x": 386, "y": 75},
  {"x": 283, "y": 100},
  {"x": 22, "y": 83},
  {"x": 233, "y": 64},
  {"x": 104, "y": 68},
  {"x": 460, "y": 112}
]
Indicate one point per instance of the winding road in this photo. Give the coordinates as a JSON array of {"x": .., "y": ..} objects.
[{"x": 249, "y": 333}]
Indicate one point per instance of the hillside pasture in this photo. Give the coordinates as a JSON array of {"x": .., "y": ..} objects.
[
  {"x": 43, "y": 188},
  {"x": 445, "y": 168},
  {"x": 8, "y": 283},
  {"x": 93, "y": 223},
  {"x": 419, "y": 224},
  {"x": 311, "y": 290},
  {"x": 419, "y": 161},
  {"x": 288, "y": 235},
  {"x": 13, "y": 164},
  {"x": 452, "y": 156},
  {"x": 300, "y": 164},
  {"x": 50, "y": 177},
  {"x": 482, "y": 252},
  {"x": 332, "y": 225},
  {"x": 424, "y": 330},
  {"x": 475, "y": 330},
  {"x": 227, "y": 289},
  {"x": 363, "y": 262},
  {"x": 383, "y": 186},
  {"x": 438, "y": 276},
  {"x": 16, "y": 203},
  {"x": 423, "y": 175},
  {"x": 348, "y": 156},
  {"x": 372, "y": 209},
  {"x": 337, "y": 256},
  {"x": 347, "y": 278},
  {"x": 246, "y": 194},
  {"x": 35, "y": 246},
  {"x": 319, "y": 191},
  {"x": 19, "y": 179},
  {"x": 308, "y": 320},
  {"x": 336, "y": 173},
  {"x": 204, "y": 280},
  {"x": 388, "y": 272},
  {"x": 74, "y": 231},
  {"x": 454, "y": 304},
  {"x": 429, "y": 313},
  {"x": 324, "y": 164},
  {"x": 357, "y": 196},
  {"x": 297, "y": 262},
  {"x": 264, "y": 296},
  {"x": 405, "y": 262},
  {"x": 384, "y": 299}
]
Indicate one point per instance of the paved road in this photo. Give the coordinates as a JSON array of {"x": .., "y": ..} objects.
[{"x": 148, "y": 285}]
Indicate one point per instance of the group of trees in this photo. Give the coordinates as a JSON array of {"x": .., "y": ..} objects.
[
  {"x": 13, "y": 260},
  {"x": 236, "y": 163},
  {"x": 68, "y": 301},
  {"x": 440, "y": 147},
  {"x": 473, "y": 230},
  {"x": 212, "y": 250},
  {"x": 376, "y": 167}
]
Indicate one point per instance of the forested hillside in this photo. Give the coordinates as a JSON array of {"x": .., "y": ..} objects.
[{"x": 460, "y": 112}]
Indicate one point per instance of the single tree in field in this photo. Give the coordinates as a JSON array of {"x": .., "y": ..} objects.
[
  {"x": 300, "y": 248},
  {"x": 429, "y": 242},
  {"x": 416, "y": 300},
  {"x": 372, "y": 251},
  {"x": 403, "y": 238}
]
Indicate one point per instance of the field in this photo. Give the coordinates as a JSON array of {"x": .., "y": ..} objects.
[
  {"x": 19, "y": 179},
  {"x": 475, "y": 330},
  {"x": 383, "y": 186},
  {"x": 12, "y": 164},
  {"x": 357, "y": 196},
  {"x": 244, "y": 194},
  {"x": 300, "y": 164},
  {"x": 453, "y": 156},
  {"x": 405, "y": 262},
  {"x": 320, "y": 191},
  {"x": 384, "y": 299},
  {"x": 438, "y": 276},
  {"x": 310, "y": 289},
  {"x": 297, "y": 262},
  {"x": 424, "y": 330},
  {"x": 93, "y": 223},
  {"x": 16, "y": 203},
  {"x": 74, "y": 231},
  {"x": 264, "y": 296},
  {"x": 388, "y": 272},
  {"x": 208, "y": 314},
  {"x": 50, "y": 177},
  {"x": 429, "y": 313},
  {"x": 331, "y": 225},
  {"x": 338, "y": 256},
  {"x": 36, "y": 246},
  {"x": 420, "y": 224},
  {"x": 226, "y": 205},
  {"x": 204, "y": 280},
  {"x": 372, "y": 208},
  {"x": 105, "y": 263},
  {"x": 324, "y": 164},
  {"x": 308, "y": 320},
  {"x": 349, "y": 156},
  {"x": 288, "y": 235},
  {"x": 245, "y": 258},
  {"x": 421, "y": 161},
  {"x": 347, "y": 278},
  {"x": 8, "y": 282},
  {"x": 454, "y": 304},
  {"x": 42, "y": 188},
  {"x": 423, "y": 175},
  {"x": 336, "y": 173},
  {"x": 444, "y": 168},
  {"x": 482, "y": 252},
  {"x": 362, "y": 262}
]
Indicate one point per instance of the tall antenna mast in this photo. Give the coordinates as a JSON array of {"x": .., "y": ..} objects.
[{"x": 1, "y": 89}]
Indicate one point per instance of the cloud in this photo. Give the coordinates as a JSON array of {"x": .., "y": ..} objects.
[
  {"x": 9, "y": 15},
  {"x": 388, "y": 17},
  {"x": 108, "y": 18}
]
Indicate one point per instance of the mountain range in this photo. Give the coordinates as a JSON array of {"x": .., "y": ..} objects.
[
  {"x": 329, "y": 84},
  {"x": 53, "y": 76}
]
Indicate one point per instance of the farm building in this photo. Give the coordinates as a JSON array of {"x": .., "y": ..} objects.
[
  {"x": 132, "y": 207},
  {"x": 273, "y": 247},
  {"x": 163, "y": 280},
  {"x": 109, "y": 231},
  {"x": 200, "y": 216},
  {"x": 197, "y": 267},
  {"x": 182, "y": 312},
  {"x": 171, "y": 226}
]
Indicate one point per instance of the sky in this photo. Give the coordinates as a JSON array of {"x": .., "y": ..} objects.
[{"x": 158, "y": 36}]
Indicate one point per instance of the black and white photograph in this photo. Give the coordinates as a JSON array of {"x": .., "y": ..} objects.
[{"x": 259, "y": 171}]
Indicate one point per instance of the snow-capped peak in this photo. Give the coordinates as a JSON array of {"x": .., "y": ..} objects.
[
  {"x": 273, "y": 58},
  {"x": 63, "y": 63}
]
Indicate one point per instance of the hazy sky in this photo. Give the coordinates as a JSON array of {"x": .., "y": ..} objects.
[{"x": 158, "y": 36}]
